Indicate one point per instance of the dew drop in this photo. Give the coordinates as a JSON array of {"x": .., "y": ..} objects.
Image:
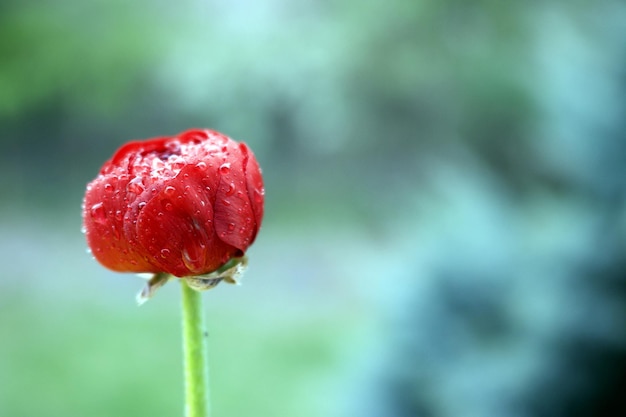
[
  {"x": 226, "y": 202},
  {"x": 231, "y": 189},
  {"x": 193, "y": 257},
  {"x": 135, "y": 186},
  {"x": 258, "y": 195},
  {"x": 98, "y": 213},
  {"x": 157, "y": 164},
  {"x": 169, "y": 190},
  {"x": 201, "y": 166},
  {"x": 165, "y": 253},
  {"x": 225, "y": 168},
  {"x": 231, "y": 227},
  {"x": 108, "y": 188},
  {"x": 168, "y": 206},
  {"x": 141, "y": 205},
  {"x": 118, "y": 215},
  {"x": 133, "y": 262},
  {"x": 83, "y": 230}
]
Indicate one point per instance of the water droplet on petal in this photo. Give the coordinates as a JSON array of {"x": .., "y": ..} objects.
[
  {"x": 83, "y": 230},
  {"x": 226, "y": 202},
  {"x": 258, "y": 195},
  {"x": 98, "y": 213},
  {"x": 231, "y": 189},
  {"x": 165, "y": 253},
  {"x": 225, "y": 168},
  {"x": 169, "y": 190},
  {"x": 135, "y": 185},
  {"x": 141, "y": 205},
  {"x": 201, "y": 166},
  {"x": 108, "y": 188},
  {"x": 231, "y": 227},
  {"x": 193, "y": 257},
  {"x": 118, "y": 215}
]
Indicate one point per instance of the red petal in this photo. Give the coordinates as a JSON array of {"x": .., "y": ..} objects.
[
  {"x": 104, "y": 216},
  {"x": 256, "y": 190},
  {"x": 235, "y": 221},
  {"x": 176, "y": 226}
]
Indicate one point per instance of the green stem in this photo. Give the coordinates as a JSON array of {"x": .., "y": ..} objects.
[{"x": 195, "y": 353}]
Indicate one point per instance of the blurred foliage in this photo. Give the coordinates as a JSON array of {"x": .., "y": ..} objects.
[{"x": 445, "y": 224}]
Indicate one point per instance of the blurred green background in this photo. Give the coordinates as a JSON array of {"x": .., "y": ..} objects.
[{"x": 445, "y": 205}]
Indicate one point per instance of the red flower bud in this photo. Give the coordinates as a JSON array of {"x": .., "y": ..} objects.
[{"x": 184, "y": 205}]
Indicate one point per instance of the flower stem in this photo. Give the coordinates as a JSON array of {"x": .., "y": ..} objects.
[{"x": 196, "y": 355}]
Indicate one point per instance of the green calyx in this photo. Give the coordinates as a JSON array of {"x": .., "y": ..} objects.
[{"x": 231, "y": 272}]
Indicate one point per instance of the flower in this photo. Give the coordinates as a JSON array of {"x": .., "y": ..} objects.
[{"x": 182, "y": 205}]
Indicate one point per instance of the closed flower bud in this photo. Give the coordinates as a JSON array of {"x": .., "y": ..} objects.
[{"x": 182, "y": 205}]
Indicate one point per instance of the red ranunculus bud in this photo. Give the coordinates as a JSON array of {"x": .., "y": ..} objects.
[{"x": 183, "y": 205}]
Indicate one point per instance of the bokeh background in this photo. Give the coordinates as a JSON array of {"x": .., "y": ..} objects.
[{"x": 445, "y": 217}]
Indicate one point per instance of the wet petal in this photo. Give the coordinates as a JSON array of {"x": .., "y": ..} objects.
[{"x": 235, "y": 221}]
